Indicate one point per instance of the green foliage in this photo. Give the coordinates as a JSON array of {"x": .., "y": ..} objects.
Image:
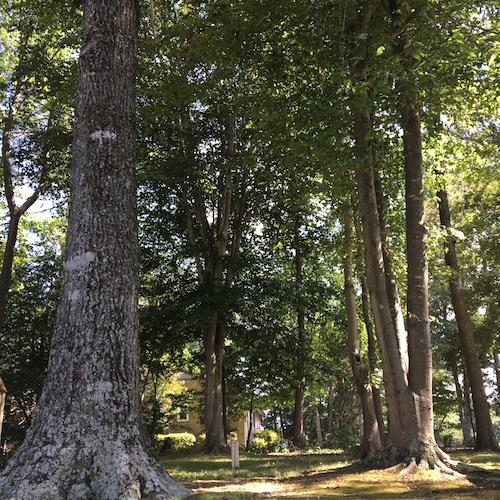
[
  {"x": 181, "y": 441},
  {"x": 37, "y": 82},
  {"x": 281, "y": 68},
  {"x": 266, "y": 440},
  {"x": 30, "y": 319}
]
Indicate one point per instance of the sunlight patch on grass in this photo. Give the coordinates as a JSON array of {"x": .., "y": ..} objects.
[
  {"x": 486, "y": 459},
  {"x": 319, "y": 476}
]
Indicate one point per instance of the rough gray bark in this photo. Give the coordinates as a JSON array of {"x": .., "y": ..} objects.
[
  {"x": 87, "y": 439},
  {"x": 485, "y": 436}
]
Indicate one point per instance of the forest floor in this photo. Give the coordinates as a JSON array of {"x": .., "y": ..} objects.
[{"x": 327, "y": 475}]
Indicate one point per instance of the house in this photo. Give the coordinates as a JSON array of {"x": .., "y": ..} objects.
[{"x": 190, "y": 418}]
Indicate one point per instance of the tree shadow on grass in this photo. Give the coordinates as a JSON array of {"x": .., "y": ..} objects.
[{"x": 353, "y": 481}]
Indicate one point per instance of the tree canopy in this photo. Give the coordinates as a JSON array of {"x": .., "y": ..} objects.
[{"x": 257, "y": 122}]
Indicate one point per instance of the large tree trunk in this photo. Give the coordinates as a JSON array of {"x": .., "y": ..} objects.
[
  {"x": 215, "y": 437},
  {"x": 87, "y": 439},
  {"x": 409, "y": 401},
  {"x": 496, "y": 364},
  {"x": 418, "y": 322},
  {"x": 372, "y": 438},
  {"x": 485, "y": 437},
  {"x": 402, "y": 417}
]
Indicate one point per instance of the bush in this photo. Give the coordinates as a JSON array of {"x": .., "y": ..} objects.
[
  {"x": 265, "y": 440},
  {"x": 177, "y": 441}
]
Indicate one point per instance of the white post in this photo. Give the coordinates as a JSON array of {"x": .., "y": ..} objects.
[{"x": 235, "y": 454}]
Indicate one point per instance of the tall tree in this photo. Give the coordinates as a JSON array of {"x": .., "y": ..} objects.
[
  {"x": 485, "y": 436},
  {"x": 87, "y": 427},
  {"x": 298, "y": 435},
  {"x": 407, "y": 377}
]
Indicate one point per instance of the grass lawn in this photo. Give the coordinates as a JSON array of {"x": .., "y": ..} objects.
[{"x": 327, "y": 475}]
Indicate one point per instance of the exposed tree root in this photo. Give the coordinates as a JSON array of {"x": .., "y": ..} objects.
[
  {"x": 429, "y": 457},
  {"x": 112, "y": 471},
  {"x": 432, "y": 458}
]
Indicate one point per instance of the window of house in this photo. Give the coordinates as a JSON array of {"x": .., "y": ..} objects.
[{"x": 182, "y": 415}]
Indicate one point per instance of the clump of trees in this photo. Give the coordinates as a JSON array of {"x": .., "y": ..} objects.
[{"x": 317, "y": 210}]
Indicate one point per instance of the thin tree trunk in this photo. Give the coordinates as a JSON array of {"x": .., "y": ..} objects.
[
  {"x": 331, "y": 398},
  {"x": 485, "y": 438},
  {"x": 371, "y": 444},
  {"x": 87, "y": 439},
  {"x": 496, "y": 363},
  {"x": 390, "y": 278},
  {"x": 248, "y": 440},
  {"x": 298, "y": 434},
  {"x": 463, "y": 409},
  {"x": 372, "y": 354},
  {"x": 319, "y": 431},
  {"x": 468, "y": 405}
]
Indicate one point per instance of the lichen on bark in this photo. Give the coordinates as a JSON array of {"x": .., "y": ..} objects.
[{"x": 87, "y": 438}]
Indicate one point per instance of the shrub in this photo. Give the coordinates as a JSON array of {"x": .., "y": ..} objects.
[
  {"x": 265, "y": 440},
  {"x": 178, "y": 441}
]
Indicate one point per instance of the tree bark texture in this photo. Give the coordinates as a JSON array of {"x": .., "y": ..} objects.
[
  {"x": 214, "y": 338},
  {"x": 372, "y": 357},
  {"x": 485, "y": 436},
  {"x": 87, "y": 439},
  {"x": 372, "y": 438},
  {"x": 418, "y": 321},
  {"x": 390, "y": 278}
]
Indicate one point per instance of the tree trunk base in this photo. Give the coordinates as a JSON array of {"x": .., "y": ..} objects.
[
  {"x": 97, "y": 469},
  {"x": 220, "y": 449},
  {"x": 423, "y": 458}
]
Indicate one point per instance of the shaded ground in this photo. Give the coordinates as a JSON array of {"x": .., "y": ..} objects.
[{"x": 327, "y": 476}]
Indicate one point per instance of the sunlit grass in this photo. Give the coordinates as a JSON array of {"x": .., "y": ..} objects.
[
  {"x": 321, "y": 476},
  {"x": 486, "y": 459}
]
